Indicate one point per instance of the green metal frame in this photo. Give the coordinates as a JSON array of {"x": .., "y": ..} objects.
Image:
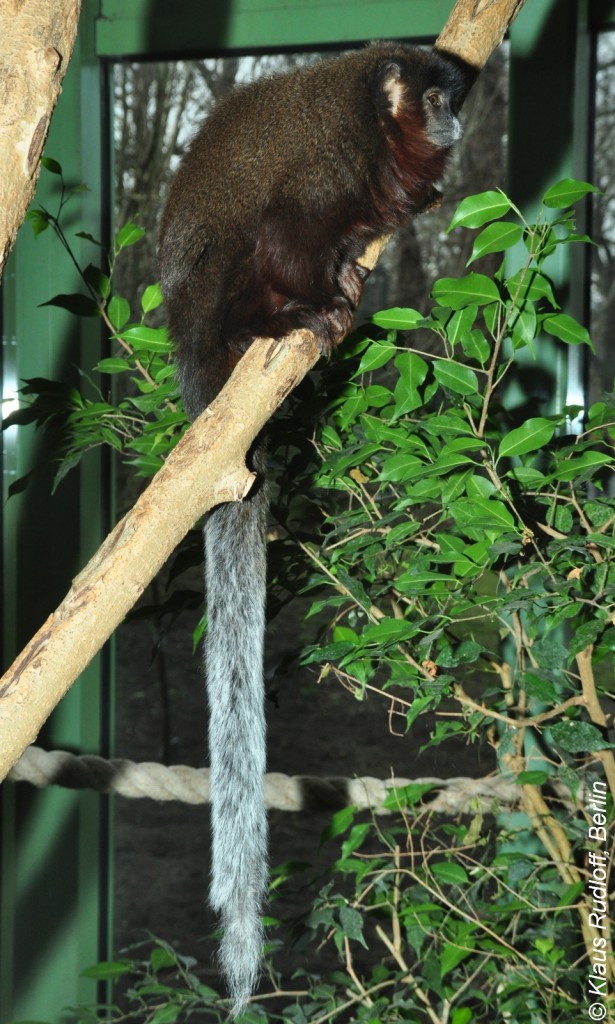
[
  {"x": 53, "y": 898},
  {"x": 50, "y": 908},
  {"x": 157, "y": 28}
]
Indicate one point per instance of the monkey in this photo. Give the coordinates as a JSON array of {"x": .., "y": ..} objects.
[{"x": 277, "y": 197}]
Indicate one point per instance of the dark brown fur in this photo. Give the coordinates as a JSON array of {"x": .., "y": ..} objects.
[{"x": 285, "y": 184}]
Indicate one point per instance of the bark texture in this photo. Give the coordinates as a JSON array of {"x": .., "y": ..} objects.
[
  {"x": 37, "y": 41},
  {"x": 476, "y": 27}
]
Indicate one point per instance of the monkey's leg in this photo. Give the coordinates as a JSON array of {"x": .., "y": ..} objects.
[{"x": 302, "y": 277}]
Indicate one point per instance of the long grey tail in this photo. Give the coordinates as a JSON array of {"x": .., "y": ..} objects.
[{"x": 235, "y": 581}]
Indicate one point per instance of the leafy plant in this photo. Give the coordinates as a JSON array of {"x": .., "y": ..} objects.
[
  {"x": 466, "y": 556},
  {"x": 142, "y": 420},
  {"x": 474, "y": 545}
]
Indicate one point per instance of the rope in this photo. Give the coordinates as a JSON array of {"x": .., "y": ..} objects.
[{"x": 282, "y": 792}]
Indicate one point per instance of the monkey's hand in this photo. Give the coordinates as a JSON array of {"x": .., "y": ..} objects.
[{"x": 351, "y": 279}]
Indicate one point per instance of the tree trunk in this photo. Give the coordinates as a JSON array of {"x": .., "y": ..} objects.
[
  {"x": 206, "y": 468},
  {"x": 37, "y": 42}
]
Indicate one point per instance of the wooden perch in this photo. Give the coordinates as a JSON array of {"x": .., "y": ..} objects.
[
  {"x": 476, "y": 27},
  {"x": 37, "y": 42},
  {"x": 207, "y": 467}
]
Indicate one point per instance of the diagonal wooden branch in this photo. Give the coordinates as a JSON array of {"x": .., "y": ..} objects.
[{"x": 206, "y": 468}]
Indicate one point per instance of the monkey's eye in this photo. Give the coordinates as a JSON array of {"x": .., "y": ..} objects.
[{"x": 435, "y": 100}]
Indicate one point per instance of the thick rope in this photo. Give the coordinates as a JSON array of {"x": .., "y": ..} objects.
[{"x": 282, "y": 792}]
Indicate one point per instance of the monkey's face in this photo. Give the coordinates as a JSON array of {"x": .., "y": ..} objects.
[{"x": 441, "y": 124}]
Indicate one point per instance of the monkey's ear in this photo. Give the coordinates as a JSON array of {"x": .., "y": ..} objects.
[{"x": 389, "y": 89}]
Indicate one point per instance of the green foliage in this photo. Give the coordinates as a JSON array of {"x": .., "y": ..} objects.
[
  {"x": 464, "y": 523},
  {"x": 141, "y": 416},
  {"x": 466, "y": 555}
]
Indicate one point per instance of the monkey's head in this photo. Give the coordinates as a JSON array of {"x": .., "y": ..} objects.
[
  {"x": 425, "y": 88},
  {"x": 441, "y": 124}
]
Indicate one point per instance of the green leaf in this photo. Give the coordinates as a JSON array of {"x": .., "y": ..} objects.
[
  {"x": 495, "y": 238},
  {"x": 447, "y": 462},
  {"x": 524, "y": 327},
  {"x": 330, "y": 652},
  {"x": 586, "y": 634},
  {"x": 566, "y": 192},
  {"x": 340, "y": 823},
  {"x": 530, "y": 286},
  {"x": 399, "y": 468},
  {"x": 598, "y": 512},
  {"x": 580, "y": 464},
  {"x": 578, "y": 737},
  {"x": 97, "y": 280},
  {"x": 450, "y": 872},
  {"x": 162, "y": 957},
  {"x": 378, "y": 396},
  {"x": 113, "y": 365},
  {"x": 449, "y": 424},
  {"x": 378, "y": 354},
  {"x": 529, "y": 437},
  {"x": 476, "y": 346},
  {"x": 107, "y": 970},
  {"x": 399, "y": 319},
  {"x": 387, "y": 632},
  {"x": 567, "y": 329},
  {"x": 571, "y": 894},
  {"x": 419, "y": 580},
  {"x": 462, "y": 1015},
  {"x": 88, "y": 238},
  {"x": 151, "y": 298},
  {"x": 534, "y": 778},
  {"x": 407, "y": 796},
  {"x": 118, "y": 312},
  {"x": 352, "y": 408},
  {"x": 154, "y": 339},
  {"x": 457, "y": 292},
  {"x": 128, "y": 235},
  {"x": 166, "y": 1014},
  {"x": 358, "y": 834},
  {"x": 474, "y": 211},
  {"x": 461, "y": 323},
  {"x": 549, "y": 652},
  {"x": 482, "y": 513},
  {"x": 412, "y": 372},
  {"x": 465, "y": 654},
  {"x": 352, "y": 924},
  {"x": 451, "y": 957},
  {"x": 51, "y": 165},
  {"x": 331, "y": 438},
  {"x": 19, "y": 485},
  {"x": 412, "y": 369},
  {"x": 456, "y": 377},
  {"x": 80, "y": 305},
  {"x": 39, "y": 220},
  {"x": 529, "y": 478}
]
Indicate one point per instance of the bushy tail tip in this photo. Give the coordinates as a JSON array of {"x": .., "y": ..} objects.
[{"x": 240, "y": 955}]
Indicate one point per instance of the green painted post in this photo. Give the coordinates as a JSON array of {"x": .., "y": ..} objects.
[{"x": 53, "y": 841}]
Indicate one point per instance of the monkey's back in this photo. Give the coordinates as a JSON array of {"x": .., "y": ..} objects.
[
  {"x": 310, "y": 149},
  {"x": 296, "y": 137}
]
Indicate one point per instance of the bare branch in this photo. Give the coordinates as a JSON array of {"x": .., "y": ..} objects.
[{"x": 37, "y": 42}]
